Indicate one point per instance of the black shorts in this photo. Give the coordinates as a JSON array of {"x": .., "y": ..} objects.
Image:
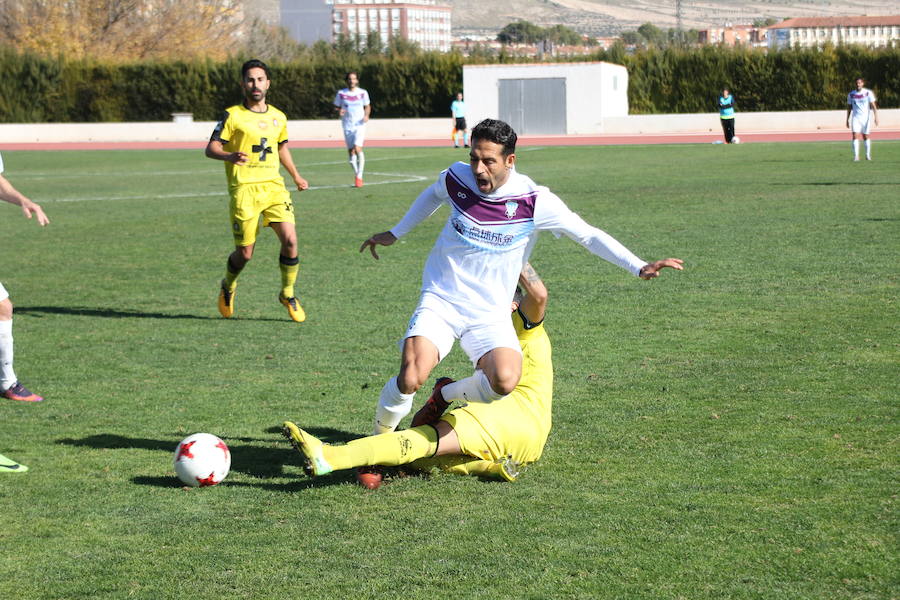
[{"x": 461, "y": 123}]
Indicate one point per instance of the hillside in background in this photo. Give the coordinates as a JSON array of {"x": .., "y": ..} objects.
[{"x": 610, "y": 17}]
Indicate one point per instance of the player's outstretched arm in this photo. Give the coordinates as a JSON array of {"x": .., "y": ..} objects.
[
  {"x": 14, "y": 196},
  {"x": 385, "y": 238},
  {"x": 651, "y": 270}
]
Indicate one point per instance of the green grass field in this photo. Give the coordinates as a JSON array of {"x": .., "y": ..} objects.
[{"x": 729, "y": 431}]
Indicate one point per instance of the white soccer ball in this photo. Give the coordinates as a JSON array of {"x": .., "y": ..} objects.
[
  {"x": 735, "y": 140},
  {"x": 201, "y": 460}
]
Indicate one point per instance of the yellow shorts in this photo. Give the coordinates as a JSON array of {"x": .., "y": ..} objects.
[
  {"x": 506, "y": 428},
  {"x": 249, "y": 201}
]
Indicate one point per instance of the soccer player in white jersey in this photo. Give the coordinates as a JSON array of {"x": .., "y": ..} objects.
[
  {"x": 471, "y": 273},
  {"x": 861, "y": 110},
  {"x": 353, "y": 106},
  {"x": 10, "y": 386}
]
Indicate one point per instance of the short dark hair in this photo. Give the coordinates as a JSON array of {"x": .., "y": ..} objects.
[
  {"x": 254, "y": 63},
  {"x": 349, "y": 73},
  {"x": 493, "y": 130}
]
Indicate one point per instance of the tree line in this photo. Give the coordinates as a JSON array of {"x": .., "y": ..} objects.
[{"x": 406, "y": 82}]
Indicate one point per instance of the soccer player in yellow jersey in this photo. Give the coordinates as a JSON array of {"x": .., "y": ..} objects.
[
  {"x": 495, "y": 439},
  {"x": 252, "y": 140}
]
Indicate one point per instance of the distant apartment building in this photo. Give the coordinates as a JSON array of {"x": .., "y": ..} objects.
[
  {"x": 734, "y": 35},
  {"x": 809, "y": 32},
  {"x": 422, "y": 21}
]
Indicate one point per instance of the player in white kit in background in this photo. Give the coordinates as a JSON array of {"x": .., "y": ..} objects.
[
  {"x": 471, "y": 273},
  {"x": 861, "y": 111},
  {"x": 353, "y": 106}
]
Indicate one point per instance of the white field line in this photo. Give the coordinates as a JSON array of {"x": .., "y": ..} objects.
[
  {"x": 209, "y": 171},
  {"x": 401, "y": 178}
]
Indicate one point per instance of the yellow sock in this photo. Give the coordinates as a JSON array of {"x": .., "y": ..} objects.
[
  {"x": 289, "y": 268},
  {"x": 389, "y": 449}
]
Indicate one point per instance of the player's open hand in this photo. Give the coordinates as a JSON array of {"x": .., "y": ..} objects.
[
  {"x": 30, "y": 208},
  {"x": 385, "y": 238},
  {"x": 651, "y": 270},
  {"x": 238, "y": 158}
]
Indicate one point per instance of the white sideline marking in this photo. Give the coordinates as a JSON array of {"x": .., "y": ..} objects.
[
  {"x": 404, "y": 178},
  {"x": 207, "y": 171}
]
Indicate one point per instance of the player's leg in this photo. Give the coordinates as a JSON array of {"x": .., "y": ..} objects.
[
  {"x": 359, "y": 139},
  {"x": 244, "y": 219},
  {"x": 494, "y": 348},
  {"x": 867, "y": 143},
  {"x": 10, "y": 387},
  {"x": 388, "y": 449},
  {"x": 289, "y": 265},
  {"x": 428, "y": 339},
  {"x": 419, "y": 357}
]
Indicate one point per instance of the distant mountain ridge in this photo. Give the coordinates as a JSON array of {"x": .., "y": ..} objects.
[{"x": 604, "y": 18}]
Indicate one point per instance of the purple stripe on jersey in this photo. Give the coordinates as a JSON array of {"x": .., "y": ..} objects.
[{"x": 506, "y": 209}]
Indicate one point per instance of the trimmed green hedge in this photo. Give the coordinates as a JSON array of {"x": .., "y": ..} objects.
[{"x": 673, "y": 80}]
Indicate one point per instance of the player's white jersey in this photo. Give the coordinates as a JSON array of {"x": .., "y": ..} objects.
[
  {"x": 477, "y": 258},
  {"x": 860, "y": 101},
  {"x": 1, "y": 163},
  {"x": 354, "y": 103}
]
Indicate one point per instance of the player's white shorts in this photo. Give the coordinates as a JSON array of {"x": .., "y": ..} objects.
[
  {"x": 441, "y": 323},
  {"x": 3, "y": 293},
  {"x": 860, "y": 125},
  {"x": 355, "y": 136}
]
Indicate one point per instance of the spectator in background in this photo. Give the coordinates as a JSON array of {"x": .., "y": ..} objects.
[{"x": 726, "y": 114}]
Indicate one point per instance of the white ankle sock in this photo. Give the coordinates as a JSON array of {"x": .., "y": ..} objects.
[
  {"x": 476, "y": 388},
  {"x": 7, "y": 375},
  {"x": 393, "y": 405}
]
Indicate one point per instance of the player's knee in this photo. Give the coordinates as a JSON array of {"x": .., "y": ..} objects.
[
  {"x": 505, "y": 381},
  {"x": 409, "y": 382}
]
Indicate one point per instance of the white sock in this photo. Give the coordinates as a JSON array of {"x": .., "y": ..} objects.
[
  {"x": 353, "y": 164},
  {"x": 393, "y": 405},
  {"x": 868, "y": 149},
  {"x": 7, "y": 375},
  {"x": 855, "y": 148},
  {"x": 361, "y": 159},
  {"x": 476, "y": 388}
]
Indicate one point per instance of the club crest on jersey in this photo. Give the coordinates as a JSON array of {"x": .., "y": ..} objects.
[
  {"x": 275, "y": 123},
  {"x": 511, "y": 208}
]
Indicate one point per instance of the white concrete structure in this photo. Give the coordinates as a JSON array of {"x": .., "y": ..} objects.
[
  {"x": 811, "y": 32},
  {"x": 558, "y": 98}
]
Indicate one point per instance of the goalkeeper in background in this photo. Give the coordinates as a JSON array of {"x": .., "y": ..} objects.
[{"x": 495, "y": 439}]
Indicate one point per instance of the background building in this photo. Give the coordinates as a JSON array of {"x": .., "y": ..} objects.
[
  {"x": 547, "y": 99},
  {"x": 817, "y": 31},
  {"x": 422, "y": 21},
  {"x": 733, "y": 35}
]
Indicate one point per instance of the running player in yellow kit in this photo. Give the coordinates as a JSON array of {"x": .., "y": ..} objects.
[
  {"x": 252, "y": 140},
  {"x": 493, "y": 439}
]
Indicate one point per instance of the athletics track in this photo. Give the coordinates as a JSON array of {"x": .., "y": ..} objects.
[{"x": 525, "y": 140}]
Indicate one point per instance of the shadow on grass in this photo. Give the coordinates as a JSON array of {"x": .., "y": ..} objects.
[
  {"x": 848, "y": 183},
  {"x": 246, "y": 456},
  {"x": 111, "y": 313}
]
